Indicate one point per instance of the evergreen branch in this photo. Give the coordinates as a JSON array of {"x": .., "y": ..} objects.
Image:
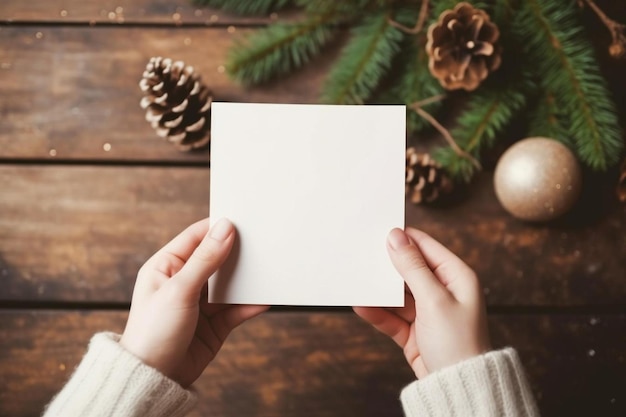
[
  {"x": 566, "y": 65},
  {"x": 415, "y": 83},
  {"x": 546, "y": 119},
  {"x": 447, "y": 136},
  {"x": 618, "y": 47},
  {"x": 489, "y": 110},
  {"x": 246, "y": 7},
  {"x": 441, "y": 6},
  {"x": 488, "y": 113},
  {"x": 502, "y": 12},
  {"x": 278, "y": 49},
  {"x": 364, "y": 62},
  {"x": 419, "y": 25},
  {"x": 349, "y": 10},
  {"x": 492, "y": 107},
  {"x": 460, "y": 169}
]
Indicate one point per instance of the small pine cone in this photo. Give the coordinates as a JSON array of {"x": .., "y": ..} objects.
[
  {"x": 621, "y": 183},
  {"x": 425, "y": 180},
  {"x": 177, "y": 104},
  {"x": 618, "y": 48},
  {"x": 462, "y": 47}
]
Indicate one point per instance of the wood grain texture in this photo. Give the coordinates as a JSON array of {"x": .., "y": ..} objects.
[
  {"x": 69, "y": 91},
  {"x": 76, "y": 233},
  {"x": 323, "y": 364},
  {"x": 80, "y": 233},
  {"x": 164, "y": 12},
  {"x": 577, "y": 260}
]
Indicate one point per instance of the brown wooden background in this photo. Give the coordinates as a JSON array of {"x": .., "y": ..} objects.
[{"x": 88, "y": 193}]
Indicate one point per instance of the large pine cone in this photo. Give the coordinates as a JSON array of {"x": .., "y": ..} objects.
[
  {"x": 462, "y": 47},
  {"x": 178, "y": 105},
  {"x": 425, "y": 180}
]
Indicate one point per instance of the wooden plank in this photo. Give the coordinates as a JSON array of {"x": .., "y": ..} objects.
[
  {"x": 173, "y": 12},
  {"x": 323, "y": 364},
  {"x": 80, "y": 233},
  {"x": 577, "y": 260},
  {"x": 72, "y": 92}
]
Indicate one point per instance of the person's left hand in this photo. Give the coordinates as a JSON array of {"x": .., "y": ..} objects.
[{"x": 171, "y": 326}]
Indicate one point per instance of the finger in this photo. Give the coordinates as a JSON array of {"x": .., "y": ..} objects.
[
  {"x": 213, "y": 330},
  {"x": 409, "y": 262},
  {"x": 237, "y": 314},
  {"x": 386, "y": 322},
  {"x": 183, "y": 245},
  {"x": 407, "y": 313},
  {"x": 229, "y": 318},
  {"x": 213, "y": 309},
  {"x": 453, "y": 273},
  {"x": 209, "y": 254}
]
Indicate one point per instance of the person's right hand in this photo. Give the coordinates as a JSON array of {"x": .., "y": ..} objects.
[
  {"x": 443, "y": 320},
  {"x": 171, "y": 326}
]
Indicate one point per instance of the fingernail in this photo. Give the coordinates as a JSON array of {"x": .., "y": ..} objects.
[
  {"x": 398, "y": 239},
  {"x": 221, "y": 230}
]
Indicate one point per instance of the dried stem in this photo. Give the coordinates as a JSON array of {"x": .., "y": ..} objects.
[
  {"x": 444, "y": 132},
  {"x": 618, "y": 47},
  {"x": 419, "y": 25},
  {"x": 427, "y": 101}
]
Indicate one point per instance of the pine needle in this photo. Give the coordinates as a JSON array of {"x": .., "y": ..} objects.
[
  {"x": 415, "y": 83},
  {"x": 547, "y": 120},
  {"x": 246, "y": 7},
  {"x": 347, "y": 9},
  {"x": 364, "y": 61},
  {"x": 565, "y": 64},
  {"x": 277, "y": 49},
  {"x": 460, "y": 169},
  {"x": 489, "y": 110}
]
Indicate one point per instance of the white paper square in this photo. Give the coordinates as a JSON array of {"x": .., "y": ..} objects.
[{"x": 313, "y": 191}]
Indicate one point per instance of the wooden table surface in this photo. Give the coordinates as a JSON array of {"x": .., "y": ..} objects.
[{"x": 88, "y": 193}]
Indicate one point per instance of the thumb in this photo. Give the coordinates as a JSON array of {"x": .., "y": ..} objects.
[
  {"x": 206, "y": 258},
  {"x": 409, "y": 262}
]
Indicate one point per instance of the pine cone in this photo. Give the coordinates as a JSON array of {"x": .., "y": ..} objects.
[
  {"x": 621, "y": 184},
  {"x": 425, "y": 180},
  {"x": 462, "y": 47},
  {"x": 177, "y": 104}
]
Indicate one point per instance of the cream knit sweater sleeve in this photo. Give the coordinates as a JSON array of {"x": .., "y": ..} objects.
[
  {"x": 492, "y": 384},
  {"x": 112, "y": 382}
]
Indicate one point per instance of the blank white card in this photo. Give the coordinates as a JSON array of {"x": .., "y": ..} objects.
[{"x": 313, "y": 191}]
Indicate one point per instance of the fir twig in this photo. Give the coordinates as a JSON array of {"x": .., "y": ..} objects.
[
  {"x": 348, "y": 10},
  {"x": 363, "y": 63},
  {"x": 412, "y": 82},
  {"x": 419, "y": 25},
  {"x": 565, "y": 64},
  {"x": 246, "y": 7},
  {"x": 278, "y": 49},
  {"x": 427, "y": 101},
  {"x": 460, "y": 169},
  {"x": 489, "y": 110},
  {"x": 618, "y": 47},
  {"x": 446, "y": 135},
  {"x": 546, "y": 119}
]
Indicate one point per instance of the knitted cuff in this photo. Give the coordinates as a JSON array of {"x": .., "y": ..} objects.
[
  {"x": 492, "y": 384},
  {"x": 111, "y": 381}
]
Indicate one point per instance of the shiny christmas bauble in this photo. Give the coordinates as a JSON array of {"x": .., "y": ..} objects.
[{"x": 538, "y": 179}]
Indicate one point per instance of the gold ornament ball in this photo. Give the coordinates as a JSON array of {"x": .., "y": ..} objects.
[{"x": 538, "y": 179}]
